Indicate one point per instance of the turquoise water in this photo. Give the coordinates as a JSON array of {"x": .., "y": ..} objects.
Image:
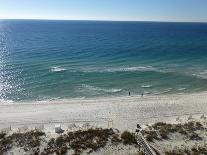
[{"x": 41, "y": 60}]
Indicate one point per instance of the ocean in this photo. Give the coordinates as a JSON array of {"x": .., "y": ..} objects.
[{"x": 46, "y": 60}]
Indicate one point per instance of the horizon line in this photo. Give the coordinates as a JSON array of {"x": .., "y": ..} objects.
[{"x": 100, "y": 20}]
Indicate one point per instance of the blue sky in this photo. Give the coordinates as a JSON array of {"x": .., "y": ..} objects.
[{"x": 139, "y": 10}]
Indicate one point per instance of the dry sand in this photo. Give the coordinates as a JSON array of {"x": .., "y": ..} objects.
[{"x": 124, "y": 112}]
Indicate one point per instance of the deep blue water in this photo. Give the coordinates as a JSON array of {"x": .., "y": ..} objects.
[{"x": 42, "y": 60}]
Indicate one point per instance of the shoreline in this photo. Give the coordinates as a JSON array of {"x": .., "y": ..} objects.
[
  {"x": 106, "y": 98},
  {"x": 124, "y": 112}
]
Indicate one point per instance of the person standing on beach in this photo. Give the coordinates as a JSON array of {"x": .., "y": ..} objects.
[{"x": 129, "y": 93}]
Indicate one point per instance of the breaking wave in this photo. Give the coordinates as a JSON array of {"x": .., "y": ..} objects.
[
  {"x": 146, "y": 86},
  {"x": 93, "y": 88},
  {"x": 57, "y": 69},
  {"x": 123, "y": 69},
  {"x": 180, "y": 89},
  {"x": 163, "y": 92}
]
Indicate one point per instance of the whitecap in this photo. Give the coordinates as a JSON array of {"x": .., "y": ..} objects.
[
  {"x": 1, "y": 87},
  {"x": 146, "y": 92},
  {"x": 146, "y": 86},
  {"x": 93, "y": 88},
  {"x": 130, "y": 69},
  {"x": 180, "y": 89},
  {"x": 201, "y": 74},
  {"x": 57, "y": 69},
  {"x": 163, "y": 92},
  {"x": 2, "y": 101},
  {"x": 122, "y": 69}
]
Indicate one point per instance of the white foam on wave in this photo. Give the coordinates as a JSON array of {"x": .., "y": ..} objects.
[
  {"x": 147, "y": 93},
  {"x": 2, "y": 101},
  {"x": 1, "y": 87},
  {"x": 57, "y": 69},
  {"x": 122, "y": 69},
  {"x": 163, "y": 92},
  {"x": 204, "y": 72},
  {"x": 201, "y": 74},
  {"x": 180, "y": 89},
  {"x": 93, "y": 88},
  {"x": 130, "y": 69},
  {"x": 146, "y": 86}
]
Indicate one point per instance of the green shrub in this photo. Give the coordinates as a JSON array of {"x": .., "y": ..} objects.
[
  {"x": 150, "y": 136},
  {"x": 2, "y": 135},
  {"x": 128, "y": 138}
]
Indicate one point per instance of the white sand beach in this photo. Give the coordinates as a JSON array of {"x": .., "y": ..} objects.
[
  {"x": 118, "y": 112},
  {"x": 122, "y": 113}
]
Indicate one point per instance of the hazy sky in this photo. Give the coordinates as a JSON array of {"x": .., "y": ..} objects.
[{"x": 140, "y": 10}]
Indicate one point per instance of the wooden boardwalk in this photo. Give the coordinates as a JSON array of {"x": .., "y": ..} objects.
[{"x": 144, "y": 144}]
